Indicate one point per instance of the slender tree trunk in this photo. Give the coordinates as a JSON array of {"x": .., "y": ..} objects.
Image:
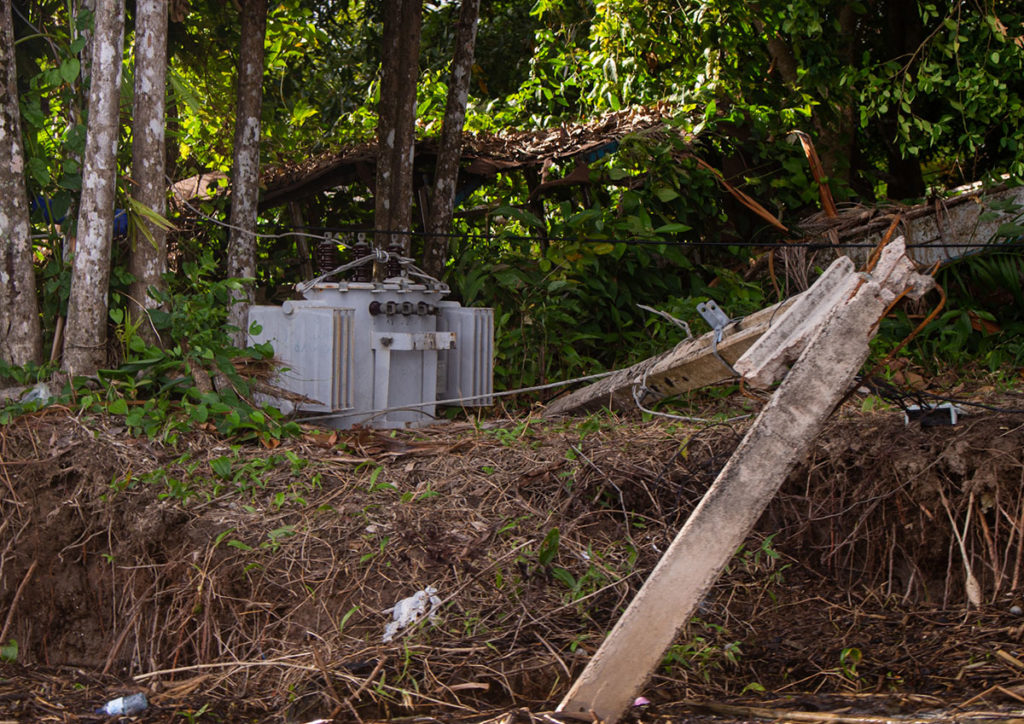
[
  {"x": 149, "y": 241},
  {"x": 20, "y": 334},
  {"x": 246, "y": 163},
  {"x": 386, "y": 105},
  {"x": 77, "y": 116},
  {"x": 446, "y": 174},
  {"x": 396, "y": 120},
  {"x": 86, "y": 337}
]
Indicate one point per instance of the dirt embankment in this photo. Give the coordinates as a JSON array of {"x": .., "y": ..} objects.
[{"x": 255, "y": 581}]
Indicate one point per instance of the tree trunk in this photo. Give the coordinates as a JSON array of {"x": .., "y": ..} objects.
[
  {"x": 386, "y": 120},
  {"x": 86, "y": 338},
  {"x": 246, "y": 163},
  {"x": 904, "y": 34},
  {"x": 20, "y": 335},
  {"x": 396, "y": 120},
  {"x": 446, "y": 174},
  {"x": 149, "y": 240}
]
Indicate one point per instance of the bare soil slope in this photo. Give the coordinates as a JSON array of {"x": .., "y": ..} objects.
[{"x": 252, "y": 585}]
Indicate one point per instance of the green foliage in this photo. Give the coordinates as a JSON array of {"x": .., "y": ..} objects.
[
  {"x": 155, "y": 387},
  {"x": 926, "y": 86},
  {"x": 849, "y": 658},
  {"x": 52, "y": 108},
  {"x": 567, "y": 287},
  {"x": 186, "y": 479},
  {"x": 705, "y": 653},
  {"x": 983, "y": 321}
]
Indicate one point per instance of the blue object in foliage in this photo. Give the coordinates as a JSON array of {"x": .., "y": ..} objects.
[
  {"x": 44, "y": 207},
  {"x": 120, "y": 223}
]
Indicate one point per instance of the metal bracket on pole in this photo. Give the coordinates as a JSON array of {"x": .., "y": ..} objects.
[{"x": 717, "y": 319}]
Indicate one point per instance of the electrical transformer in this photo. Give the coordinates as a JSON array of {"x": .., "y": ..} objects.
[{"x": 378, "y": 354}]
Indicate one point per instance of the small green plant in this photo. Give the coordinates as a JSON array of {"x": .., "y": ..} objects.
[
  {"x": 9, "y": 651},
  {"x": 344, "y": 619},
  {"x": 703, "y": 653},
  {"x": 849, "y": 658},
  {"x": 512, "y": 435},
  {"x": 193, "y": 716},
  {"x": 764, "y": 561}
]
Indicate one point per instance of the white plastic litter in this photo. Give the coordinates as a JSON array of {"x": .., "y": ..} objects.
[
  {"x": 40, "y": 392},
  {"x": 412, "y": 609},
  {"x": 126, "y": 705}
]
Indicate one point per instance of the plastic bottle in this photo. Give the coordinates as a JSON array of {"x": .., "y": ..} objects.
[{"x": 126, "y": 705}]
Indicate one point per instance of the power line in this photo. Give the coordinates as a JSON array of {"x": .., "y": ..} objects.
[{"x": 470, "y": 236}]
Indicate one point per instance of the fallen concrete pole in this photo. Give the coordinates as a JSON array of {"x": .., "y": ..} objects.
[
  {"x": 692, "y": 364},
  {"x": 780, "y": 437},
  {"x": 688, "y": 366},
  {"x": 767, "y": 359}
]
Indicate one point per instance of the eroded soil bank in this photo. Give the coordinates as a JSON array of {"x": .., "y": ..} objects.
[{"x": 251, "y": 584}]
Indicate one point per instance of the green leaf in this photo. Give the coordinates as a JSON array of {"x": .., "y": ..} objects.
[
  {"x": 1010, "y": 229},
  {"x": 39, "y": 170},
  {"x": 221, "y": 536},
  {"x": 674, "y": 228},
  {"x": 221, "y": 466},
  {"x": 118, "y": 407},
  {"x": 69, "y": 70},
  {"x": 548, "y": 547},
  {"x": 520, "y": 215},
  {"x": 666, "y": 194},
  {"x": 564, "y": 577}
]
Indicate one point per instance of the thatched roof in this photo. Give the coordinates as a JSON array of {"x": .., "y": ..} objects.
[{"x": 484, "y": 155}]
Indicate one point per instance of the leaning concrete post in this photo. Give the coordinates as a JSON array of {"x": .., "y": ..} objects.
[{"x": 780, "y": 437}]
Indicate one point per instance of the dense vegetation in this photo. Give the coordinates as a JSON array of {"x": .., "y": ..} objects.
[{"x": 903, "y": 99}]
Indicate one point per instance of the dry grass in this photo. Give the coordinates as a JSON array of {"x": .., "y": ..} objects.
[{"x": 209, "y": 574}]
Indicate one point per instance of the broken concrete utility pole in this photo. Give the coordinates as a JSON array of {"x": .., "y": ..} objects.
[
  {"x": 688, "y": 366},
  {"x": 829, "y": 342},
  {"x": 696, "y": 363}
]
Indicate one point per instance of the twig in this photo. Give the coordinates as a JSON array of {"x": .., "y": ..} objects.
[
  {"x": 971, "y": 583},
  {"x": 330, "y": 684},
  {"x": 1008, "y": 658},
  {"x": 17, "y": 597},
  {"x": 362, "y": 687},
  {"x": 136, "y": 610},
  {"x": 761, "y": 712}
]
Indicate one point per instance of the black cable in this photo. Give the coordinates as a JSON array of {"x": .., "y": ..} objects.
[
  {"x": 968, "y": 403},
  {"x": 816, "y": 245},
  {"x": 897, "y": 396}
]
